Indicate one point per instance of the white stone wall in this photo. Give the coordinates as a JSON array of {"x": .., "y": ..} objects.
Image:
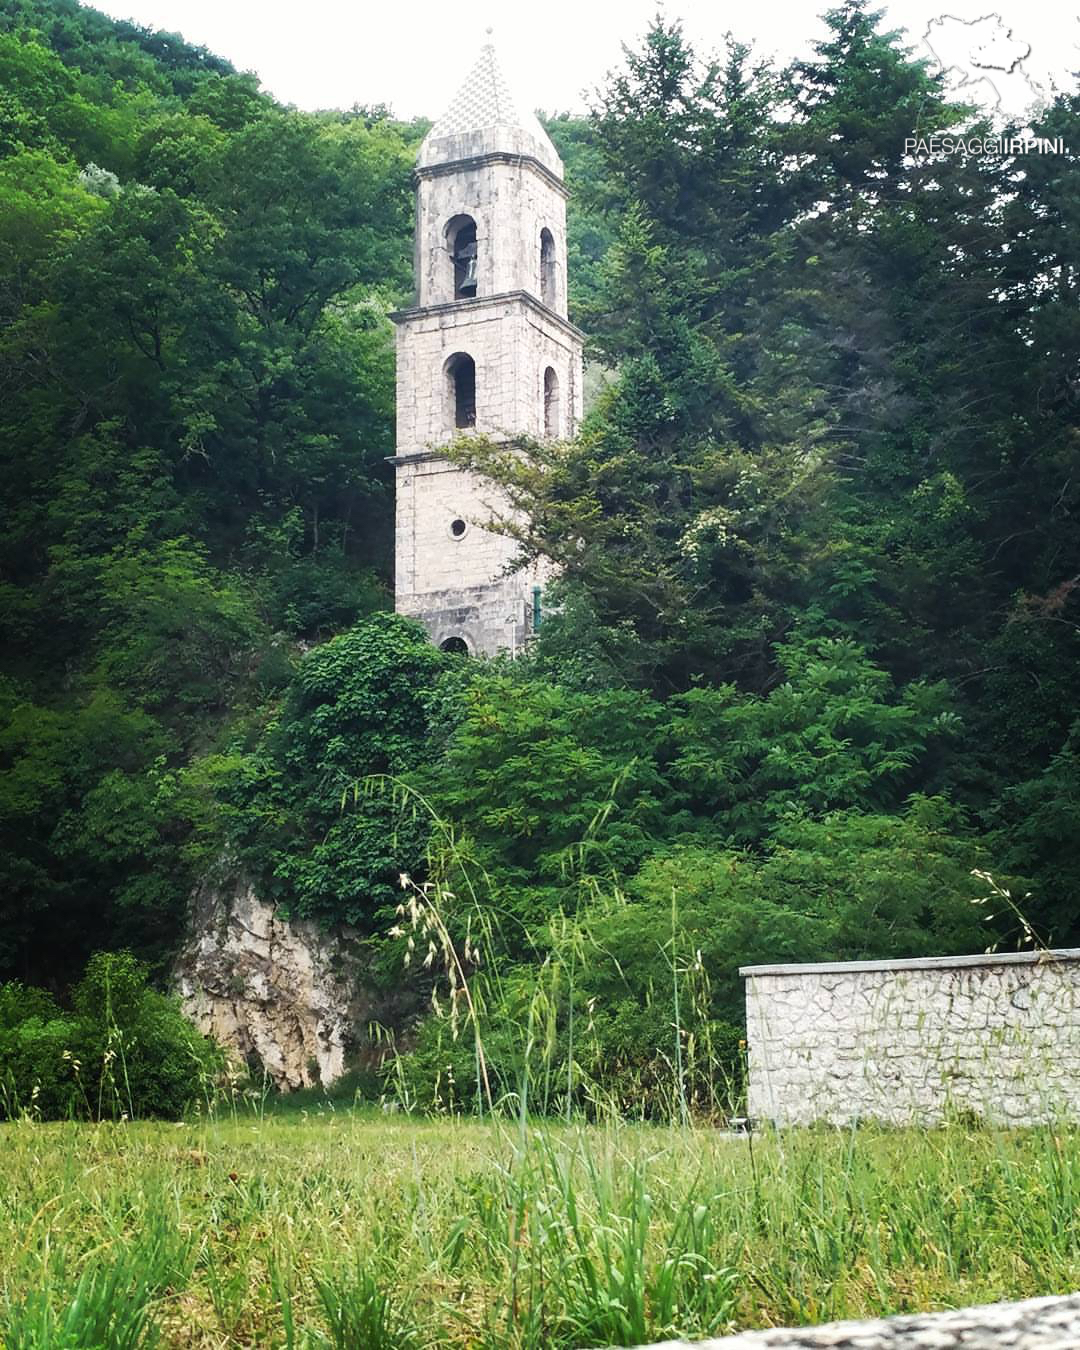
[
  {"x": 909, "y": 1041},
  {"x": 431, "y": 494},
  {"x": 511, "y": 204},
  {"x": 1033, "y": 1324},
  {"x": 497, "y": 616},
  {"x": 509, "y": 181},
  {"x": 459, "y": 586},
  {"x": 512, "y": 342}
]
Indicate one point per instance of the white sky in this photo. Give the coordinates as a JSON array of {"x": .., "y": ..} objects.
[{"x": 412, "y": 55}]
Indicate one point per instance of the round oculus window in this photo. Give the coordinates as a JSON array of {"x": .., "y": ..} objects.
[{"x": 458, "y": 528}]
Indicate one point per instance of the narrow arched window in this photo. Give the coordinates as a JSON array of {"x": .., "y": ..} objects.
[
  {"x": 551, "y": 403},
  {"x": 547, "y": 268},
  {"x": 464, "y": 258},
  {"x": 461, "y": 390}
]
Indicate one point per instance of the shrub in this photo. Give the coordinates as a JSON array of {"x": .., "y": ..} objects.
[
  {"x": 652, "y": 975},
  {"x": 360, "y": 704},
  {"x": 124, "y": 1050},
  {"x": 39, "y": 1074}
]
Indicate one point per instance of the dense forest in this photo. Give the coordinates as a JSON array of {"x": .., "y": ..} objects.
[{"x": 812, "y": 659}]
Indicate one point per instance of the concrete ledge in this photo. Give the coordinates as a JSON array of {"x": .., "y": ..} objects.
[
  {"x": 467, "y": 163},
  {"x": 1034, "y": 1324},
  {"x": 477, "y": 303},
  {"x": 918, "y": 963}
]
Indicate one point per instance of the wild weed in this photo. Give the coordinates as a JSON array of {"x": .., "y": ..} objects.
[{"x": 359, "y": 1310}]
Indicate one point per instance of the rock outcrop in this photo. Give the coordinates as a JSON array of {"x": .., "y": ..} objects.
[{"x": 285, "y": 995}]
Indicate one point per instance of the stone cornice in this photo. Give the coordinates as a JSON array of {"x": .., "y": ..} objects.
[
  {"x": 1047, "y": 957},
  {"x": 439, "y": 452},
  {"x": 480, "y": 302},
  {"x": 416, "y": 457},
  {"x": 493, "y": 157}
]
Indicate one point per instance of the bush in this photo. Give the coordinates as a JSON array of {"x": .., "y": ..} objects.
[
  {"x": 361, "y": 704},
  {"x": 124, "y": 1050},
  {"x": 849, "y": 886},
  {"x": 614, "y": 1057},
  {"x": 38, "y": 1074}
]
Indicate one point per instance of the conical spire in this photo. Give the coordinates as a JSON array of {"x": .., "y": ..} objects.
[{"x": 483, "y": 118}]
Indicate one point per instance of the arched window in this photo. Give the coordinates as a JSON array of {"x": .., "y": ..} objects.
[
  {"x": 547, "y": 268},
  {"x": 462, "y": 248},
  {"x": 461, "y": 390},
  {"x": 551, "y": 403},
  {"x": 455, "y": 645}
]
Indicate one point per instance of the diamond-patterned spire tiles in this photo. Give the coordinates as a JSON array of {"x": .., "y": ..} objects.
[
  {"x": 484, "y": 103},
  {"x": 484, "y": 100}
]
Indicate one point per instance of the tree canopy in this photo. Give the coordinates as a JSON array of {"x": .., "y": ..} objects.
[{"x": 812, "y": 653}]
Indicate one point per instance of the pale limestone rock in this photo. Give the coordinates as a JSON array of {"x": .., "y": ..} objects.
[{"x": 286, "y": 993}]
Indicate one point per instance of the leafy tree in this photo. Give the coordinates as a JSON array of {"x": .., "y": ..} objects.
[
  {"x": 816, "y": 542},
  {"x": 850, "y": 886},
  {"x": 1036, "y": 824},
  {"x": 833, "y": 736},
  {"x": 315, "y": 840},
  {"x": 196, "y": 372},
  {"x": 549, "y": 781}
]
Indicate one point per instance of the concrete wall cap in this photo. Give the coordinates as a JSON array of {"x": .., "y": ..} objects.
[{"x": 1062, "y": 954}]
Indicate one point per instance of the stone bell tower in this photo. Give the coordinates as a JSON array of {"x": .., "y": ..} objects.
[{"x": 487, "y": 348}]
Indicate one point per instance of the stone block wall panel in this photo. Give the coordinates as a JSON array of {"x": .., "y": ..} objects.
[
  {"x": 1033, "y": 1324},
  {"x": 909, "y": 1042}
]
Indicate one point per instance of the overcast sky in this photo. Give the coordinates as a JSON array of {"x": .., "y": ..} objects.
[{"x": 411, "y": 55}]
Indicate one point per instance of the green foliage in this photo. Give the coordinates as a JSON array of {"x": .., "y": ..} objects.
[
  {"x": 360, "y": 705},
  {"x": 544, "y": 1239},
  {"x": 633, "y": 1004},
  {"x": 810, "y": 655},
  {"x": 1037, "y": 821},
  {"x": 197, "y": 381},
  {"x": 124, "y": 1051},
  {"x": 547, "y": 779},
  {"x": 834, "y": 735},
  {"x": 358, "y": 1311},
  {"x": 849, "y": 886}
]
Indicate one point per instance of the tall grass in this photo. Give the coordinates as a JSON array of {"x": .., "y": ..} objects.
[
  {"x": 534, "y": 1049},
  {"x": 348, "y": 1229}
]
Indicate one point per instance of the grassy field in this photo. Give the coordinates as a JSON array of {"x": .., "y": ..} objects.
[{"x": 346, "y": 1230}]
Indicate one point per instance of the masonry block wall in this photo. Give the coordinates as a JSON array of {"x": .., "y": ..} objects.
[
  {"x": 489, "y": 170},
  {"x": 512, "y": 339},
  {"x": 908, "y": 1042},
  {"x": 510, "y": 208}
]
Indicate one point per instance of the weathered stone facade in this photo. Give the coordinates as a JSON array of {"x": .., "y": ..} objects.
[
  {"x": 909, "y": 1041},
  {"x": 487, "y": 168}
]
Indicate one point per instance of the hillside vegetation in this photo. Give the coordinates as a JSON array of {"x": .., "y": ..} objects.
[{"x": 813, "y": 654}]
